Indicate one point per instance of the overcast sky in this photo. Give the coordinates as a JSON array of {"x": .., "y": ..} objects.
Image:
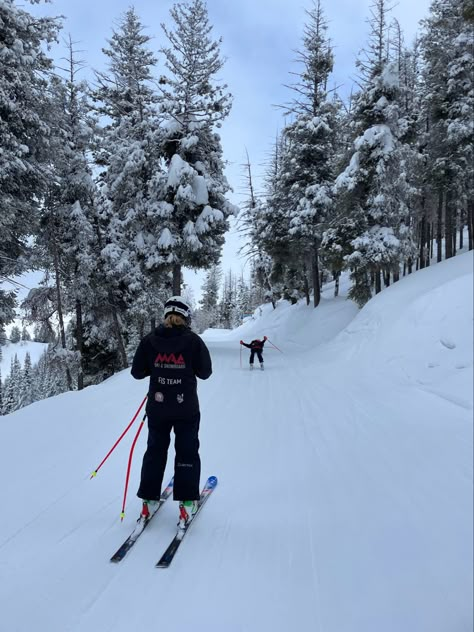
[{"x": 259, "y": 40}]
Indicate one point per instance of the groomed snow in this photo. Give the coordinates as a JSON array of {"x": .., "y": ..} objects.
[{"x": 345, "y": 482}]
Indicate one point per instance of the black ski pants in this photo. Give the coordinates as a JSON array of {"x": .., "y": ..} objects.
[
  {"x": 259, "y": 355},
  {"x": 187, "y": 463}
]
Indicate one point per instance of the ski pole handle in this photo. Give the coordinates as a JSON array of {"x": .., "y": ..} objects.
[{"x": 94, "y": 473}]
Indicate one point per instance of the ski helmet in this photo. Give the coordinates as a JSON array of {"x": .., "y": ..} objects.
[{"x": 177, "y": 305}]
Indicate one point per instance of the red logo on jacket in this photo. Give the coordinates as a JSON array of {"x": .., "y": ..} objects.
[{"x": 169, "y": 358}]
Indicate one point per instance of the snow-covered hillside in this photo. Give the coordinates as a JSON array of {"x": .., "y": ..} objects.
[
  {"x": 20, "y": 349},
  {"x": 344, "y": 501}
]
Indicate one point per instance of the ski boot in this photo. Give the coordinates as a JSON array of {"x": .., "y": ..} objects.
[
  {"x": 251, "y": 367},
  {"x": 187, "y": 510},
  {"x": 148, "y": 508},
  {"x": 261, "y": 366}
]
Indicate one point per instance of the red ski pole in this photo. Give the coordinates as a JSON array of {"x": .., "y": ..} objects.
[
  {"x": 274, "y": 346},
  {"x": 94, "y": 473},
  {"x": 130, "y": 456}
]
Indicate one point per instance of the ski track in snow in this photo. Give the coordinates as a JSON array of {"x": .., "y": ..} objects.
[{"x": 344, "y": 501}]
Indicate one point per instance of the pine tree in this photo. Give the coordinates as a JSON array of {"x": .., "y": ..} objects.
[
  {"x": 66, "y": 240},
  {"x": 25, "y": 334},
  {"x": 373, "y": 189},
  {"x": 448, "y": 96},
  {"x": 15, "y": 334},
  {"x": 254, "y": 222},
  {"x": 191, "y": 194},
  {"x": 228, "y": 303},
  {"x": 208, "y": 313},
  {"x": 307, "y": 169},
  {"x": 24, "y": 160},
  {"x": 26, "y": 395},
  {"x": 271, "y": 227},
  {"x": 11, "y": 395},
  {"x": 8, "y": 396},
  {"x": 130, "y": 154}
]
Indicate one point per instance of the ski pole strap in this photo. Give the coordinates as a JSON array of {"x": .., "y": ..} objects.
[
  {"x": 130, "y": 456},
  {"x": 94, "y": 473}
]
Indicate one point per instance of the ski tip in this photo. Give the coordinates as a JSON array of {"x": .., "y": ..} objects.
[{"x": 212, "y": 481}]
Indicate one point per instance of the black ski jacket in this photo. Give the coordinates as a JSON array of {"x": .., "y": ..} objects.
[
  {"x": 255, "y": 345},
  {"x": 172, "y": 357}
]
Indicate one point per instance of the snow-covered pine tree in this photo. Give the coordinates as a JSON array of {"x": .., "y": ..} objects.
[
  {"x": 26, "y": 394},
  {"x": 191, "y": 194},
  {"x": 208, "y": 313},
  {"x": 243, "y": 302},
  {"x": 12, "y": 387},
  {"x": 252, "y": 218},
  {"x": 8, "y": 396},
  {"x": 461, "y": 118},
  {"x": 15, "y": 334},
  {"x": 40, "y": 307},
  {"x": 25, "y": 334},
  {"x": 67, "y": 239},
  {"x": 308, "y": 162},
  {"x": 448, "y": 94},
  {"x": 228, "y": 302},
  {"x": 131, "y": 160},
  {"x": 274, "y": 254},
  {"x": 24, "y": 134},
  {"x": 373, "y": 190}
]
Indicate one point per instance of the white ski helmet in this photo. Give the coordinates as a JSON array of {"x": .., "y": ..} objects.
[{"x": 177, "y": 305}]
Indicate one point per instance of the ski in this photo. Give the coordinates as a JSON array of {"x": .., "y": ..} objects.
[
  {"x": 141, "y": 526},
  {"x": 174, "y": 545}
]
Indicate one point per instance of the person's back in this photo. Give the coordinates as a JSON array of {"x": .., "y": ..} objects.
[
  {"x": 172, "y": 356},
  {"x": 256, "y": 348}
]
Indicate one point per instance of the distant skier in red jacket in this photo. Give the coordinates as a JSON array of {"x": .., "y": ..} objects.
[{"x": 256, "y": 347}]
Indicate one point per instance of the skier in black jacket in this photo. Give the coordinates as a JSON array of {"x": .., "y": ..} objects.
[
  {"x": 172, "y": 356},
  {"x": 256, "y": 347}
]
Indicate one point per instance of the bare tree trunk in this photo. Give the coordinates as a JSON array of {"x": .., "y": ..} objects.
[
  {"x": 396, "y": 275},
  {"x": 386, "y": 278},
  {"x": 119, "y": 338},
  {"x": 80, "y": 345},
  {"x": 429, "y": 242},
  {"x": 315, "y": 273},
  {"x": 337, "y": 276},
  {"x": 306, "y": 287},
  {"x": 448, "y": 225},
  {"x": 378, "y": 281},
  {"x": 470, "y": 225},
  {"x": 439, "y": 227},
  {"x": 62, "y": 332},
  {"x": 461, "y": 231},
  {"x": 423, "y": 240},
  {"x": 177, "y": 279}
]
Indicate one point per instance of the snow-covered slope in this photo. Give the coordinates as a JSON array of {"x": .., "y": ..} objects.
[{"x": 345, "y": 482}]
